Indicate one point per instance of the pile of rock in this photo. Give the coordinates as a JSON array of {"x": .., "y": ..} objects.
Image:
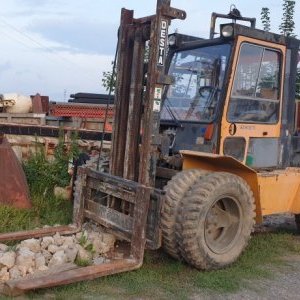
[{"x": 39, "y": 255}]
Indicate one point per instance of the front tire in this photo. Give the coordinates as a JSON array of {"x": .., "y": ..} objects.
[
  {"x": 175, "y": 192},
  {"x": 217, "y": 221}
]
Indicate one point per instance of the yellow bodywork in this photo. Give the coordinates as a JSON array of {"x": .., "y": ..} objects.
[
  {"x": 251, "y": 130},
  {"x": 276, "y": 191}
]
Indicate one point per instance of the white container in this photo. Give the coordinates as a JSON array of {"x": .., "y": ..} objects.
[{"x": 23, "y": 104}]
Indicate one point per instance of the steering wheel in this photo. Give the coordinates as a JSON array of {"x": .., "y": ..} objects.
[{"x": 209, "y": 88}]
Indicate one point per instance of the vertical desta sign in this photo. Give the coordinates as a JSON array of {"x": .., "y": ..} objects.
[{"x": 162, "y": 43}]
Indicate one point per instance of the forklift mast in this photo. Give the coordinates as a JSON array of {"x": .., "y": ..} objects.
[{"x": 137, "y": 105}]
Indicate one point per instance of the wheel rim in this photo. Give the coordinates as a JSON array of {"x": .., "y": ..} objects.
[{"x": 223, "y": 224}]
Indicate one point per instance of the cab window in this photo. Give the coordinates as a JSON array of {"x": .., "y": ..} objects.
[
  {"x": 198, "y": 81},
  {"x": 256, "y": 89}
]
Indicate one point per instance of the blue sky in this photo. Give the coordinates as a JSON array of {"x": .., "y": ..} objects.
[{"x": 58, "y": 47}]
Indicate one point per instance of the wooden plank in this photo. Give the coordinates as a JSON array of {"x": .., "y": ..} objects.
[
  {"x": 71, "y": 276},
  {"x": 110, "y": 189},
  {"x": 37, "y": 233}
]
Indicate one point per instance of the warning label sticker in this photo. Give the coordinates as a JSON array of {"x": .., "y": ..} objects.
[
  {"x": 158, "y": 93},
  {"x": 156, "y": 106}
]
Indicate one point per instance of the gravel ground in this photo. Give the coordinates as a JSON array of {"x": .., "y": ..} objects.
[
  {"x": 285, "y": 286},
  {"x": 286, "y": 282}
]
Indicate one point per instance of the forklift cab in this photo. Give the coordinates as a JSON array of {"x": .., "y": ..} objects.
[{"x": 233, "y": 95}]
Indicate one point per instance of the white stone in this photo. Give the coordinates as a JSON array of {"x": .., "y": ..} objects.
[
  {"x": 32, "y": 244},
  {"x": 58, "y": 258},
  {"x": 78, "y": 235},
  {"x": 8, "y": 259},
  {"x": 3, "y": 247},
  {"x": 23, "y": 270},
  {"x": 40, "y": 261},
  {"x": 83, "y": 254},
  {"x": 46, "y": 241},
  {"x": 47, "y": 255},
  {"x": 25, "y": 258},
  {"x": 108, "y": 239},
  {"x": 4, "y": 274},
  {"x": 69, "y": 242},
  {"x": 71, "y": 254},
  {"x": 43, "y": 268},
  {"x": 94, "y": 235},
  {"x": 15, "y": 273},
  {"x": 58, "y": 239},
  {"x": 53, "y": 248},
  {"x": 98, "y": 245},
  {"x": 99, "y": 260}
]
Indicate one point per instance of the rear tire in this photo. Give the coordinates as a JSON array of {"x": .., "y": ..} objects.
[
  {"x": 217, "y": 221},
  {"x": 174, "y": 193}
]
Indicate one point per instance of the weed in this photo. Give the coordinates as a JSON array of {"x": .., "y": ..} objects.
[
  {"x": 43, "y": 174},
  {"x": 83, "y": 240},
  {"x": 90, "y": 248},
  {"x": 48, "y": 211},
  {"x": 82, "y": 262},
  {"x": 12, "y": 248}
]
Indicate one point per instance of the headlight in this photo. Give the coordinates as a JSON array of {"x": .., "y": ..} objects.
[
  {"x": 227, "y": 31},
  {"x": 172, "y": 40}
]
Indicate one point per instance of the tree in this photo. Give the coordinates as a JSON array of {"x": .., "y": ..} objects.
[
  {"x": 287, "y": 25},
  {"x": 107, "y": 80},
  {"x": 265, "y": 18}
]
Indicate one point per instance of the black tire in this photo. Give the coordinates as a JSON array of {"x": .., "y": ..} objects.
[
  {"x": 174, "y": 193},
  {"x": 217, "y": 221}
]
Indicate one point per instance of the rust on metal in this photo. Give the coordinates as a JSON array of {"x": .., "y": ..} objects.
[
  {"x": 16, "y": 288},
  {"x": 125, "y": 46},
  {"x": 14, "y": 189},
  {"x": 135, "y": 108},
  {"x": 37, "y": 233}
]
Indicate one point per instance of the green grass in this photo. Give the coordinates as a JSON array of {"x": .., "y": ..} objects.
[
  {"x": 42, "y": 176},
  {"x": 163, "y": 278},
  {"x": 160, "y": 277},
  {"x": 45, "y": 211}
]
